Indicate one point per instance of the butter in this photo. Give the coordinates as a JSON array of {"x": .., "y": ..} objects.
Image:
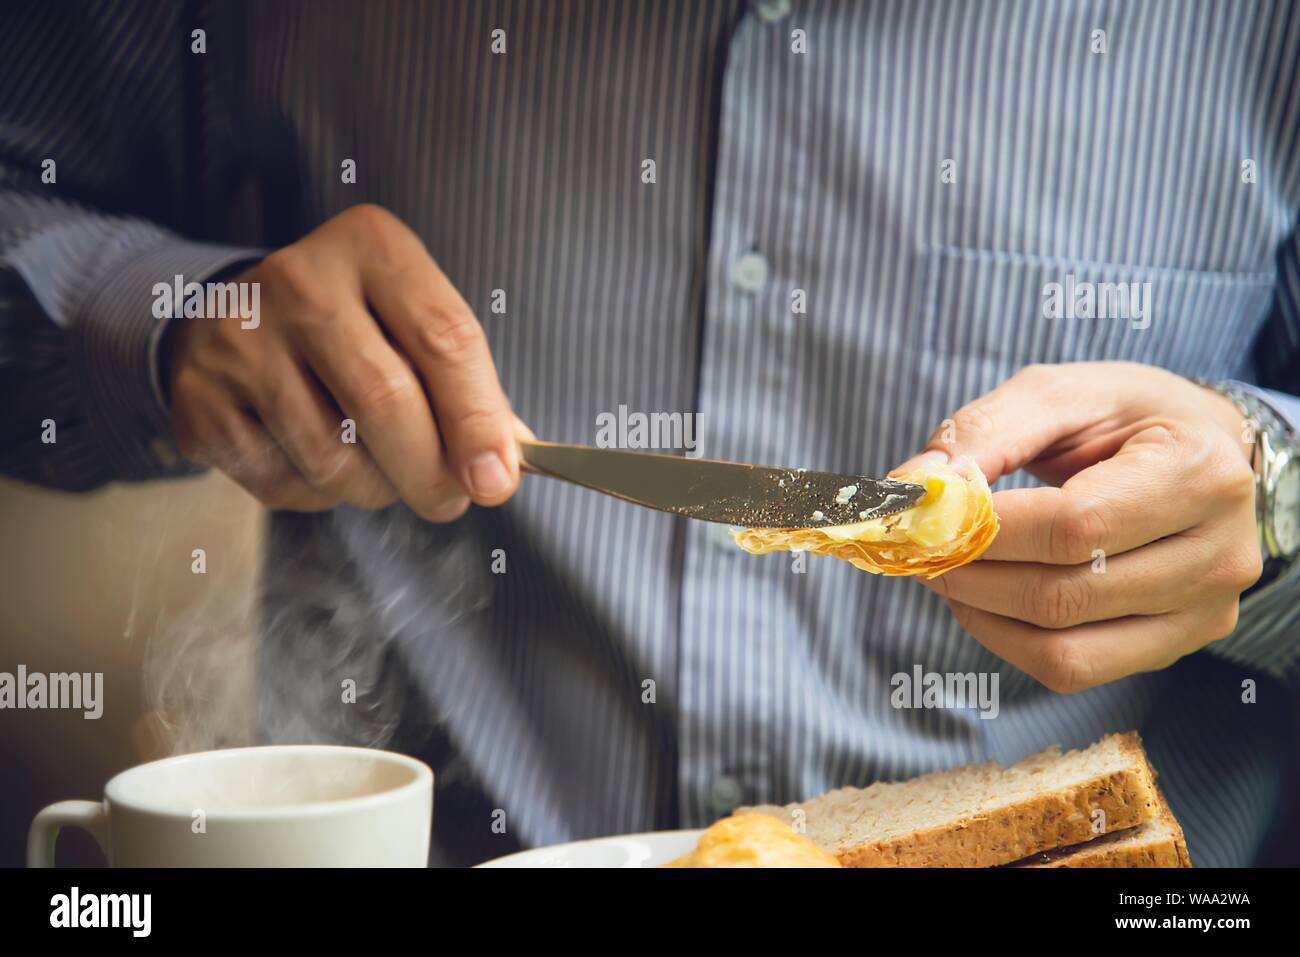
[
  {"x": 938, "y": 518},
  {"x": 935, "y": 520},
  {"x": 952, "y": 524}
]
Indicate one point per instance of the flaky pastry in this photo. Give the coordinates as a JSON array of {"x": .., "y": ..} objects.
[
  {"x": 952, "y": 525},
  {"x": 754, "y": 840}
]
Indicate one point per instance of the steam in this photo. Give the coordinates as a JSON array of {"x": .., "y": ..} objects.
[
  {"x": 306, "y": 655},
  {"x": 200, "y": 685}
]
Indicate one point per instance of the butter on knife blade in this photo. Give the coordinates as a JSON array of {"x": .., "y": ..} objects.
[
  {"x": 732, "y": 493},
  {"x": 951, "y": 525}
]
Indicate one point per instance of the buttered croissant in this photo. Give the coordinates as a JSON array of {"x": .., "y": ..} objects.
[{"x": 952, "y": 525}]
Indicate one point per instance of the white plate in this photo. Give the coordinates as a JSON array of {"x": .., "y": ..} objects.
[{"x": 627, "y": 850}]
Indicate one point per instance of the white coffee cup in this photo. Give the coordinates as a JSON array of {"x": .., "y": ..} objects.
[{"x": 278, "y": 806}]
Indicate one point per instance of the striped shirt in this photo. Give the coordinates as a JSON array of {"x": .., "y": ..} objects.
[{"x": 818, "y": 227}]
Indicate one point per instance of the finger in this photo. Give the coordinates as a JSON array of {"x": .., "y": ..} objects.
[
  {"x": 1075, "y": 659},
  {"x": 522, "y": 434},
  {"x": 1155, "y": 580},
  {"x": 377, "y": 388},
  {"x": 329, "y": 326},
  {"x": 522, "y": 431},
  {"x": 234, "y": 441},
  {"x": 1013, "y": 424},
  {"x": 308, "y": 427},
  {"x": 437, "y": 329},
  {"x": 921, "y": 460},
  {"x": 1152, "y": 487}
]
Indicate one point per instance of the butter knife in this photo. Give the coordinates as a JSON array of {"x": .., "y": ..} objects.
[{"x": 734, "y": 493}]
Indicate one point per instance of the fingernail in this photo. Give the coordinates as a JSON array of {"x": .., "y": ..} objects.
[
  {"x": 487, "y": 475},
  {"x": 929, "y": 457},
  {"x": 522, "y": 431}
]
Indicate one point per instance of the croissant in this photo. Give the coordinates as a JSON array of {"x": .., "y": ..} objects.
[
  {"x": 952, "y": 525},
  {"x": 754, "y": 840}
]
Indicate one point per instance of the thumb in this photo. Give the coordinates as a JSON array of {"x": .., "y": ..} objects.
[
  {"x": 522, "y": 431},
  {"x": 1011, "y": 426}
]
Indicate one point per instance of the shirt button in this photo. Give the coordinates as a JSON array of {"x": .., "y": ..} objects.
[
  {"x": 771, "y": 11},
  {"x": 749, "y": 272},
  {"x": 725, "y": 795}
]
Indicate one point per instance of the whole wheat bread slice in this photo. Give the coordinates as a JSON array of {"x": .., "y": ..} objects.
[
  {"x": 1158, "y": 842},
  {"x": 983, "y": 815}
]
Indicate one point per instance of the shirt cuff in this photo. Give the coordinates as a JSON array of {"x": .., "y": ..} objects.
[{"x": 115, "y": 354}]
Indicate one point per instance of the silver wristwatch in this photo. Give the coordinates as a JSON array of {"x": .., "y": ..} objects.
[{"x": 1276, "y": 460}]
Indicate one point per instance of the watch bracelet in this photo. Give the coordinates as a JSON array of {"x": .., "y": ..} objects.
[
  {"x": 1268, "y": 426},
  {"x": 1261, "y": 416}
]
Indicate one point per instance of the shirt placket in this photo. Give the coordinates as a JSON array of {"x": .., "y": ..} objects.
[{"x": 747, "y": 396}]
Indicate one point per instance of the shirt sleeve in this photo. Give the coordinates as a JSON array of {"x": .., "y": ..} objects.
[
  {"x": 1267, "y": 636},
  {"x": 92, "y": 207}
]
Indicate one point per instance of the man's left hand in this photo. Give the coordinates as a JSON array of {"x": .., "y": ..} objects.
[{"x": 1139, "y": 553}]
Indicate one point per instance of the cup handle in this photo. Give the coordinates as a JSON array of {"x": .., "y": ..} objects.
[{"x": 88, "y": 815}]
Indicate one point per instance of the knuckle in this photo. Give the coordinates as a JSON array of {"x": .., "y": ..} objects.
[
  {"x": 1167, "y": 433},
  {"x": 325, "y": 459},
  {"x": 223, "y": 350},
  {"x": 1058, "y": 603},
  {"x": 1076, "y": 529},
  {"x": 1251, "y": 566},
  {"x": 325, "y": 463},
  {"x": 1040, "y": 381},
  {"x": 348, "y": 474},
  {"x": 1065, "y": 666},
  {"x": 447, "y": 335},
  {"x": 973, "y": 421},
  {"x": 1238, "y": 568},
  {"x": 1237, "y": 479},
  {"x": 370, "y": 217},
  {"x": 288, "y": 268},
  {"x": 1224, "y": 622},
  {"x": 294, "y": 276},
  {"x": 478, "y": 421},
  {"x": 378, "y": 232},
  {"x": 1036, "y": 373},
  {"x": 319, "y": 456},
  {"x": 381, "y": 390}
]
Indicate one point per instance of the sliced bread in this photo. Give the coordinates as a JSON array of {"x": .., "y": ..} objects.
[
  {"x": 982, "y": 815},
  {"x": 1158, "y": 842}
]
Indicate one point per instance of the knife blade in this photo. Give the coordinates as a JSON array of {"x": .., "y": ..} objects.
[{"x": 733, "y": 493}]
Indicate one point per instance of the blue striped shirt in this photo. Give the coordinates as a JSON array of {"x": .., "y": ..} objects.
[{"x": 914, "y": 173}]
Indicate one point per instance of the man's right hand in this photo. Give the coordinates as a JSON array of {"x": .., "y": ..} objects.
[{"x": 357, "y": 322}]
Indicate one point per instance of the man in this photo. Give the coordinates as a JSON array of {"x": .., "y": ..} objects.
[{"x": 836, "y": 233}]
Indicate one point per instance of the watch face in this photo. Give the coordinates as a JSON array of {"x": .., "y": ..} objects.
[{"x": 1286, "y": 509}]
